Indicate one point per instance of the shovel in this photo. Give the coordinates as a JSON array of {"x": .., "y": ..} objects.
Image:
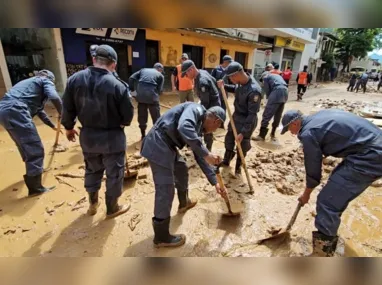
[
  {"x": 283, "y": 233},
  {"x": 225, "y": 197}
]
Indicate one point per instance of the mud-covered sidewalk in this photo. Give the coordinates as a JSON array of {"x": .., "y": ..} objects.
[{"x": 56, "y": 223}]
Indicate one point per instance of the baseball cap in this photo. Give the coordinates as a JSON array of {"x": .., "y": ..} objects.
[
  {"x": 218, "y": 112},
  {"x": 186, "y": 65},
  {"x": 158, "y": 65},
  {"x": 233, "y": 68},
  {"x": 289, "y": 117},
  {"x": 184, "y": 56},
  {"x": 106, "y": 51},
  {"x": 93, "y": 50},
  {"x": 270, "y": 65},
  {"x": 49, "y": 74},
  {"x": 227, "y": 58}
]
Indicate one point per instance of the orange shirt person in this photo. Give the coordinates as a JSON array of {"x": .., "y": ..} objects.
[{"x": 184, "y": 85}]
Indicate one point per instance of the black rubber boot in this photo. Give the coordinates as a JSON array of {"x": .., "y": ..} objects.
[
  {"x": 228, "y": 156},
  {"x": 34, "y": 185},
  {"x": 238, "y": 166},
  {"x": 323, "y": 245},
  {"x": 163, "y": 238},
  {"x": 273, "y": 134},
  {"x": 93, "y": 203},
  {"x": 262, "y": 134},
  {"x": 143, "y": 134},
  {"x": 185, "y": 203},
  {"x": 113, "y": 209}
]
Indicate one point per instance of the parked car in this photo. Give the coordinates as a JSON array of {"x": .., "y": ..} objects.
[{"x": 357, "y": 70}]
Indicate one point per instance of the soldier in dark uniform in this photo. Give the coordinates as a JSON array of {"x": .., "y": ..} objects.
[
  {"x": 276, "y": 90},
  {"x": 180, "y": 126},
  {"x": 205, "y": 89},
  {"x": 18, "y": 107},
  {"x": 362, "y": 82},
  {"x": 340, "y": 134},
  {"x": 103, "y": 106},
  {"x": 352, "y": 82},
  {"x": 148, "y": 82},
  {"x": 219, "y": 74},
  {"x": 247, "y": 105}
]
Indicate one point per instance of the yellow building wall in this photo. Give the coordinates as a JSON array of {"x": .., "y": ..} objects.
[{"x": 171, "y": 46}]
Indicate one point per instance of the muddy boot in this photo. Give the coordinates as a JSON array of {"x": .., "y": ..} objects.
[
  {"x": 113, "y": 209},
  {"x": 273, "y": 134},
  {"x": 185, "y": 203},
  {"x": 262, "y": 134},
  {"x": 228, "y": 156},
  {"x": 323, "y": 246},
  {"x": 34, "y": 185},
  {"x": 163, "y": 238},
  {"x": 238, "y": 166},
  {"x": 93, "y": 203},
  {"x": 143, "y": 134}
]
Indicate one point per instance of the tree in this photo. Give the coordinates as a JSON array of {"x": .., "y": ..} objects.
[{"x": 356, "y": 43}]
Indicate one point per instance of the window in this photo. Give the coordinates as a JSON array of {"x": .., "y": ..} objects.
[
  {"x": 241, "y": 57},
  {"x": 152, "y": 53},
  {"x": 195, "y": 53},
  {"x": 223, "y": 52}
]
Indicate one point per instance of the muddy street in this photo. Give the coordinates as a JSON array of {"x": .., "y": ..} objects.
[{"x": 56, "y": 223}]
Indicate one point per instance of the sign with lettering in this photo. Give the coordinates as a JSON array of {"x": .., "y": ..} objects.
[
  {"x": 124, "y": 33},
  {"x": 100, "y": 32},
  {"x": 289, "y": 44}
]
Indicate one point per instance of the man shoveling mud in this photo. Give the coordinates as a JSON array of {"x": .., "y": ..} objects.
[
  {"x": 180, "y": 126},
  {"x": 276, "y": 90},
  {"x": 247, "y": 105},
  {"x": 339, "y": 134},
  {"x": 102, "y": 104},
  {"x": 18, "y": 107}
]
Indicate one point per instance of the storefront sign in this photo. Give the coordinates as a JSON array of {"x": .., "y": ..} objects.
[
  {"x": 100, "y": 32},
  {"x": 124, "y": 33},
  {"x": 289, "y": 44}
]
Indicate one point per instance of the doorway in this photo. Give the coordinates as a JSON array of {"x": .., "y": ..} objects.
[
  {"x": 223, "y": 52},
  {"x": 152, "y": 53},
  {"x": 285, "y": 64},
  {"x": 241, "y": 57},
  {"x": 122, "y": 64},
  {"x": 195, "y": 53}
]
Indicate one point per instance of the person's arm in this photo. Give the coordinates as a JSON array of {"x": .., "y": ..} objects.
[
  {"x": 267, "y": 87},
  {"x": 313, "y": 160},
  {"x": 133, "y": 80},
  {"x": 254, "y": 100},
  {"x": 160, "y": 84},
  {"x": 187, "y": 129},
  {"x": 207, "y": 169},
  {"x": 297, "y": 77},
  {"x": 69, "y": 114},
  {"x": 173, "y": 78},
  {"x": 228, "y": 86},
  {"x": 44, "y": 117},
  {"x": 126, "y": 108},
  {"x": 50, "y": 91},
  {"x": 214, "y": 94},
  {"x": 213, "y": 73}
]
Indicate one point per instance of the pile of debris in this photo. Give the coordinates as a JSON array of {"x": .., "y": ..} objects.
[
  {"x": 350, "y": 106},
  {"x": 286, "y": 171}
]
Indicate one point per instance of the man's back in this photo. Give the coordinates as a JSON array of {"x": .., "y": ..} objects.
[
  {"x": 150, "y": 76},
  {"x": 339, "y": 133},
  {"x": 100, "y": 100}
]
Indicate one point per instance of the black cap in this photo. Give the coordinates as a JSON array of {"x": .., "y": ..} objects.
[
  {"x": 106, "y": 51},
  {"x": 186, "y": 65},
  {"x": 288, "y": 118},
  {"x": 233, "y": 68},
  {"x": 218, "y": 112},
  {"x": 49, "y": 74},
  {"x": 227, "y": 58},
  {"x": 93, "y": 50},
  {"x": 158, "y": 65}
]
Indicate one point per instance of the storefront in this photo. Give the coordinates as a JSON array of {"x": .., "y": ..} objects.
[
  {"x": 290, "y": 52},
  {"x": 129, "y": 43}
]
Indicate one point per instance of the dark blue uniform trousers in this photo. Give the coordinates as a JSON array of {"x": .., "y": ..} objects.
[
  {"x": 143, "y": 114},
  {"x": 229, "y": 141},
  {"x": 344, "y": 185},
  {"x": 274, "y": 111},
  {"x": 16, "y": 119},
  {"x": 165, "y": 179},
  {"x": 95, "y": 166}
]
